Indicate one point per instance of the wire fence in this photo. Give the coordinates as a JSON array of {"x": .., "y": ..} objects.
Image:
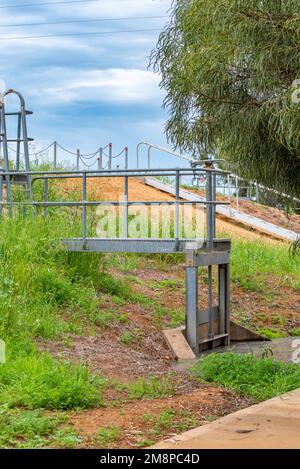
[{"x": 101, "y": 158}]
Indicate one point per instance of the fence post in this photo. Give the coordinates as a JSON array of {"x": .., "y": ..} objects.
[
  {"x": 110, "y": 156},
  {"x": 55, "y": 155},
  {"x": 126, "y": 157},
  {"x": 78, "y": 159},
  {"x": 100, "y": 160}
]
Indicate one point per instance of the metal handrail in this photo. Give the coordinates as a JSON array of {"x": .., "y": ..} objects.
[{"x": 152, "y": 146}]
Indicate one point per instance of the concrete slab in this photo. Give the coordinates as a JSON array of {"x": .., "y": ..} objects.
[
  {"x": 178, "y": 344},
  {"x": 273, "y": 424}
]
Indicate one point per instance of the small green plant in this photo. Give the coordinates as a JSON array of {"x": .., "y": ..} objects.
[
  {"x": 152, "y": 388},
  {"x": 271, "y": 333},
  {"x": 26, "y": 429},
  {"x": 38, "y": 381},
  {"x": 127, "y": 337},
  {"x": 107, "y": 436},
  {"x": 261, "y": 378}
]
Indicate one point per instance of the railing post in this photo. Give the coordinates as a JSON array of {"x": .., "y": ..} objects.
[
  {"x": 55, "y": 155},
  {"x": 84, "y": 218},
  {"x": 78, "y": 159},
  {"x": 126, "y": 192},
  {"x": 237, "y": 193},
  {"x": 126, "y": 157},
  {"x": 46, "y": 195},
  {"x": 177, "y": 207},
  {"x": 110, "y": 156},
  {"x": 100, "y": 160}
]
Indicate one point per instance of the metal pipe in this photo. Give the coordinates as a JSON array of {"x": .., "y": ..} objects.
[
  {"x": 126, "y": 157},
  {"x": 100, "y": 160},
  {"x": 177, "y": 207},
  {"x": 18, "y": 150},
  {"x": 84, "y": 205},
  {"x": 46, "y": 195},
  {"x": 78, "y": 159},
  {"x": 109, "y": 156},
  {"x": 55, "y": 154},
  {"x": 126, "y": 192}
]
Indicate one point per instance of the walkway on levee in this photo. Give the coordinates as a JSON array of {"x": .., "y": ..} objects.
[
  {"x": 273, "y": 424},
  {"x": 230, "y": 213}
]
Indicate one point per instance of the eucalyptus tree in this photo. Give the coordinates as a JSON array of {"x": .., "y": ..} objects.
[{"x": 230, "y": 71}]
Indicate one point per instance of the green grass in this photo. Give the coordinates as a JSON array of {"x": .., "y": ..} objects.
[
  {"x": 107, "y": 435},
  {"x": 35, "y": 380},
  {"x": 21, "y": 429},
  {"x": 271, "y": 333},
  {"x": 253, "y": 261},
  {"x": 260, "y": 378},
  {"x": 152, "y": 388}
]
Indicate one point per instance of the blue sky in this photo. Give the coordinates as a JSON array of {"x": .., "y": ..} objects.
[{"x": 85, "y": 91}]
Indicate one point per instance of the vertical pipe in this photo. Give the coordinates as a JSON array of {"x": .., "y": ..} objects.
[
  {"x": 110, "y": 156},
  {"x": 126, "y": 192},
  {"x": 55, "y": 155},
  {"x": 209, "y": 214},
  {"x": 100, "y": 159},
  {"x": 214, "y": 197},
  {"x": 192, "y": 329},
  {"x": 149, "y": 157},
  {"x": 46, "y": 195},
  {"x": 26, "y": 148},
  {"x": 126, "y": 157},
  {"x": 78, "y": 159},
  {"x": 18, "y": 143},
  {"x": 6, "y": 158},
  {"x": 209, "y": 235},
  {"x": 84, "y": 217},
  {"x": 177, "y": 206}
]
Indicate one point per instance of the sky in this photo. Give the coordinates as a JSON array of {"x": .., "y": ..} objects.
[{"x": 85, "y": 91}]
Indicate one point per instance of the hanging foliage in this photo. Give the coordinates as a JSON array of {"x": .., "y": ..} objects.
[{"x": 229, "y": 68}]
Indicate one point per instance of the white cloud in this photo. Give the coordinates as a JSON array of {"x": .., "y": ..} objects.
[{"x": 118, "y": 85}]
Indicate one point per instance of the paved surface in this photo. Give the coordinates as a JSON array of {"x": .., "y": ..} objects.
[
  {"x": 280, "y": 349},
  {"x": 271, "y": 424}
]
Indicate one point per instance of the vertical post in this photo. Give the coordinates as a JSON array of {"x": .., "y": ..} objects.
[
  {"x": 126, "y": 192},
  {"x": 84, "y": 217},
  {"x": 110, "y": 156},
  {"x": 192, "y": 329},
  {"x": 100, "y": 160},
  {"x": 229, "y": 192},
  {"x": 26, "y": 149},
  {"x": 6, "y": 159},
  {"x": 126, "y": 157},
  {"x": 214, "y": 197},
  {"x": 237, "y": 192},
  {"x": 46, "y": 195},
  {"x": 78, "y": 159},
  {"x": 224, "y": 301},
  {"x": 209, "y": 235},
  {"x": 55, "y": 155},
  {"x": 209, "y": 213},
  {"x": 149, "y": 157},
  {"x": 18, "y": 144},
  {"x": 177, "y": 206}
]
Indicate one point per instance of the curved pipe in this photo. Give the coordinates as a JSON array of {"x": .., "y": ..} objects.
[{"x": 12, "y": 91}]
